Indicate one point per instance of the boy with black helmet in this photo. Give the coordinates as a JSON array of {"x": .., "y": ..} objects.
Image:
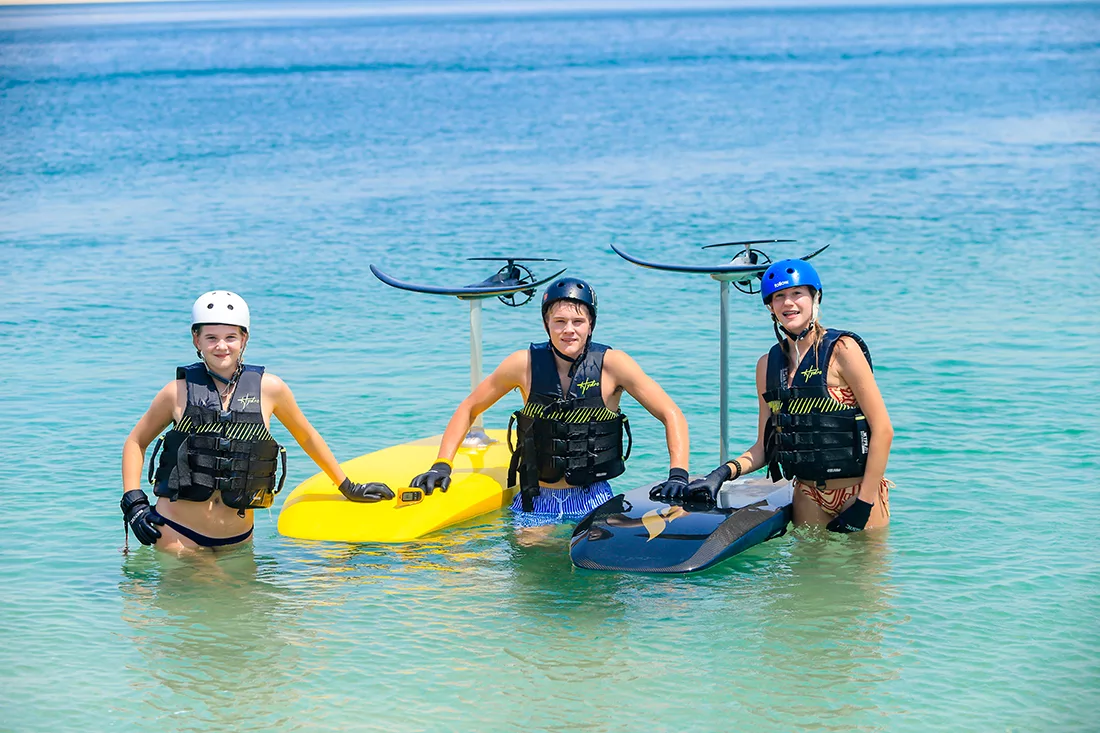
[
  {"x": 219, "y": 460},
  {"x": 570, "y": 433}
]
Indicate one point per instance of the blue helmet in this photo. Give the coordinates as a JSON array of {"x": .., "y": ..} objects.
[{"x": 788, "y": 274}]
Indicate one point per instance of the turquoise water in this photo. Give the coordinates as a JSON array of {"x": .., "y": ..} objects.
[{"x": 949, "y": 154}]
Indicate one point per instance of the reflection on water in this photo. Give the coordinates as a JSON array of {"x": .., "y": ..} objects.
[
  {"x": 825, "y": 617},
  {"x": 240, "y": 640},
  {"x": 213, "y": 635}
]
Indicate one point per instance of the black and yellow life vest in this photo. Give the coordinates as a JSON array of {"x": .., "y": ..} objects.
[
  {"x": 810, "y": 435},
  {"x": 210, "y": 449},
  {"x": 574, "y": 437}
]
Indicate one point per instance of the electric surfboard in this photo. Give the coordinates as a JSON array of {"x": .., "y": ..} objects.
[
  {"x": 633, "y": 533},
  {"x": 316, "y": 510}
]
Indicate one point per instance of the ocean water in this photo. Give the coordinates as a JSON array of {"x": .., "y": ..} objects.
[{"x": 148, "y": 154}]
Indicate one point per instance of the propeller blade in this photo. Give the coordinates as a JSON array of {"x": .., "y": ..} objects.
[
  {"x": 513, "y": 259},
  {"x": 742, "y": 244},
  {"x": 469, "y": 292}
]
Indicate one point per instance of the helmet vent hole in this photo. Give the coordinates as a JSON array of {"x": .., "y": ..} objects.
[
  {"x": 790, "y": 271},
  {"x": 229, "y": 307},
  {"x": 209, "y": 306}
]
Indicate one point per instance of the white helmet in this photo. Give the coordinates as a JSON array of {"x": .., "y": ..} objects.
[{"x": 220, "y": 307}]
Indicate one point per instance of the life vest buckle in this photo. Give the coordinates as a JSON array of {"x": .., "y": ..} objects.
[
  {"x": 224, "y": 444},
  {"x": 225, "y": 416}
]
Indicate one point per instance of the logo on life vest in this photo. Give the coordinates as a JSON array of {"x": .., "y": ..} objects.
[
  {"x": 586, "y": 385},
  {"x": 811, "y": 372},
  {"x": 249, "y": 400}
]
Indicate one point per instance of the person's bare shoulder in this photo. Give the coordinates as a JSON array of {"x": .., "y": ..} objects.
[
  {"x": 847, "y": 349},
  {"x": 517, "y": 361},
  {"x": 169, "y": 393},
  {"x": 623, "y": 371},
  {"x": 513, "y": 371},
  {"x": 273, "y": 388},
  {"x": 846, "y": 343},
  {"x": 618, "y": 359}
]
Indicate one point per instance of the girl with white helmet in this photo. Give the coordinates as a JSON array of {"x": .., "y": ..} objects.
[
  {"x": 823, "y": 423},
  {"x": 219, "y": 461}
]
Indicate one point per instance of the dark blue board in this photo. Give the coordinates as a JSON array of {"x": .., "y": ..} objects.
[{"x": 632, "y": 533}]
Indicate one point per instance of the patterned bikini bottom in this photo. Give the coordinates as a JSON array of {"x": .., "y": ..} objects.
[{"x": 832, "y": 501}]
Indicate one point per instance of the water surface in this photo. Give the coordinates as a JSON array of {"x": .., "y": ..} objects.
[{"x": 949, "y": 154}]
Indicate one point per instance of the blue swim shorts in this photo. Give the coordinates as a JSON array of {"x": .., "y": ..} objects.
[{"x": 553, "y": 506}]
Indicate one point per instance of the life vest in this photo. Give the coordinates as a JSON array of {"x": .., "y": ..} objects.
[
  {"x": 810, "y": 435},
  {"x": 210, "y": 449},
  {"x": 572, "y": 436}
]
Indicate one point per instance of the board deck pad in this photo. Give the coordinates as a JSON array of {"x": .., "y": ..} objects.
[
  {"x": 316, "y": 510},
  {"x": 633, "y": 533}
]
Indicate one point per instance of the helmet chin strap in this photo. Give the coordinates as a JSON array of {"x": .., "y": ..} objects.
[
  {"x": 229, "y": 383},
  {"x": 573, "y": 363}
]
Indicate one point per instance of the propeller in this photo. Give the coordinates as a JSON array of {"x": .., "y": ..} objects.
[{"x": 512, "y": 274}]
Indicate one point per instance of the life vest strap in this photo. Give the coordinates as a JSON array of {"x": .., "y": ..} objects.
[{"x": 224, "y": 464}]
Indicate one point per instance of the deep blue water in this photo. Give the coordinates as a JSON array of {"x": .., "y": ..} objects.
[{"x": 950, "y": 155}]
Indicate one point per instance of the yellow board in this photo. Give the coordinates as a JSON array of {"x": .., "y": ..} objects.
[{"x": 316, "y": 510}]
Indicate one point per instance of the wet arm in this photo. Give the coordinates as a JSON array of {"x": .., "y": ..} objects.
[
  {"x": 506, "y": 377},
  {"x": 753, "y": 459},
  {"x": 856, "y": 372},
  {"x": 656, "y": 401},
  {"x": 290, "y": 415},
  {"x": 155, "y": 419}
]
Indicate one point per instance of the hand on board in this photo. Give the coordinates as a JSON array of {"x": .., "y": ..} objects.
[
  {"x": 365, "y": 493},
  {"x": 706, "y": 489},
  {"x": 673, "y": 488},
  {"x": 438, "y": 476}
]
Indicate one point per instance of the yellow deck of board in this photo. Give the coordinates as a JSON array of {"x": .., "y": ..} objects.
[{"x": 316, "y": 510}]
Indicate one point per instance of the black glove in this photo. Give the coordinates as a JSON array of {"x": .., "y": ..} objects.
[
  {"x": 706, "y": 489},
  {"x": 140, "y": 517},
  {"x": 673, "y": 488},
  {"x": 439, "y": 476},
  {"x": 365, "y": 493},
  {"x": 852, "y": 519}
]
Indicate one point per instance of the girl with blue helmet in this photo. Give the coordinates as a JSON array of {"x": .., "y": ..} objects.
[{"x": 822, "y": 421}]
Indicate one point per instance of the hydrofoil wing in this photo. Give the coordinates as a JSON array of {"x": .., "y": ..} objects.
[
  {"x": 732, "y": 271},
  {"x": 467, "y": 292}
]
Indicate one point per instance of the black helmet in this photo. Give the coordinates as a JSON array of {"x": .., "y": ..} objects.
[{"x": 570, "y": 288}]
